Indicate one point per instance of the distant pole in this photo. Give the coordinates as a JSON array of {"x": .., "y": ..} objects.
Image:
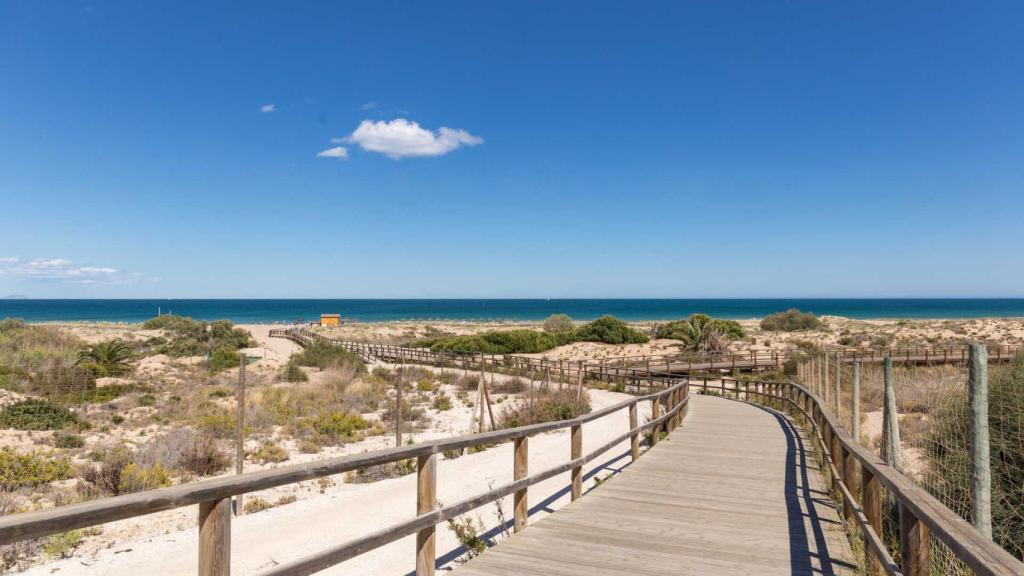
[
  {"x": 480, "y": 394},
  {"x": 398, "y": 403},
  {"x": 240, "y": 428},
  {"x": 839, "y": 368},
  {"x": 855, "y": 393},
  {"x": 824, "y": 377},
  {"x": 890, "y": 422},
  {"x": 981, "y": 472}
]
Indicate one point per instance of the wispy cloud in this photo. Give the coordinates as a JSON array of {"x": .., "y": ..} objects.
[
  {"x": 267, "y": 108},
  {"x": 336, "y": 152},
  {"x": 370, "y": 105},
  {"x": 61, "y": 270},
  {"x": 400, "y": 138}
]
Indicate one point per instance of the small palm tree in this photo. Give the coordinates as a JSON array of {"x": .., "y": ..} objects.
[
  {"x": 698, "y": 333},
  {"x": 109, "y": 358}
]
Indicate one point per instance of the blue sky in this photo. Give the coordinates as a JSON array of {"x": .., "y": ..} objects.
[{"x": 591, "y": 149}]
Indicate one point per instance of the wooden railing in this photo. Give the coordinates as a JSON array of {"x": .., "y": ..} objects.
[
  {"x": 921, "y": 517},
  {"x": 213, "y": 497},
  {"x": 637, "y": 376}
]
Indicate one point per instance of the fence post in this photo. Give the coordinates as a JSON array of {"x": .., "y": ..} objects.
[
  {"x": 426, "y": 496},
  {"x": 634, "y": 438},
  {"x": 871, "y": 502},
  {"x": 839, "y": 367},
  {"x": 240, "y": 429},
  {"x": 890, "y": 422},
  {"x": 855, "y": 393},
  {"x": 981, "y": 472},
  {"x": 398, "y": 406},
  {"x": 577, "y": 452},
  {"x": 655, "y": 414},
  {"x": 914, "y": 548},
  {"x": 215, "y": 537},
  {"x": 519, "y": 471}
]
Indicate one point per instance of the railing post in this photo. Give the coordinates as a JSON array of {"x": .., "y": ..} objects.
[
  {"x": 655, "y": 414},
  {"x": 577, "y": 452},
  {"x": 914, "y": 547},
  {"x": 839, "y": 366},
  {"x": 981, "y": 471},
  {"x": 855, "y": 399},
  {"x": 215, "y": 537},
  {"x": 634, "y": 439},
  {"x": 890, "y": 421},
  {"x": 850, "y": 479},
  {"x": 519, "y": 471},
  {"x": 426, "y": 497},
  {"x": 871, "y": 503}
]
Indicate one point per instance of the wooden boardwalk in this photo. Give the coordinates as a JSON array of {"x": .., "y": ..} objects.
[{"x": 734, "y": 490}]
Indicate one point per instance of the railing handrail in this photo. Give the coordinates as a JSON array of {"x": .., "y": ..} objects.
[
  {"x": 41, "y": 523},
  {"x": 969, "y": 545}
]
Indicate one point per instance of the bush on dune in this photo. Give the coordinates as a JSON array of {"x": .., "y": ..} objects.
[
  {"x": 559, "y": 323},
  {"x": 35, "y": 414},
  {"x": 702, "y": 333},
  {"x": 324, "y": 356},
  {"x": 790, "y": 321},
  {"x": 190, "y": 337},
  {"x": 609, "y": 330}
]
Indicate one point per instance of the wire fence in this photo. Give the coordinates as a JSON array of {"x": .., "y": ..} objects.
[{"x": 934, "y": 422}]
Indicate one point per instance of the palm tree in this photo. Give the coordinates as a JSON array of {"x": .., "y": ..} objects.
[
  {"x": 109, "y": 358},
  {"x": 698, "y": 333}
]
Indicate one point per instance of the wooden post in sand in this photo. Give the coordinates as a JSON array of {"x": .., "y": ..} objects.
[
  {"x": 981, "y": 470},
  {"x": 890, "y": 421},
  {"x": 240, "y": 428},
  {"x": 398, "y": 405},
  {"x": 215, "y": 537},
  {"x": 839, "y": 367},
  {"x": 634, "y": 438},
  {"x": 855, "y": 395},
  {"x": 520, "y": 503},
  {"x": 426, "y": 496}
]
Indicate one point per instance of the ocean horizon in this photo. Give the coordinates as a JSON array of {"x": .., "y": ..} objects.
[{"x": 385, "y": 310}]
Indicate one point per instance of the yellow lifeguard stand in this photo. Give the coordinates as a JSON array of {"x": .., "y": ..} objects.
[{"x": 330, "y": 319}]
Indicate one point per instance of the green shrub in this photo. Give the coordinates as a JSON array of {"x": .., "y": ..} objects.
[
  {"x": 323, "y": 356},
  {"x": 31, "y": 469},
  {"x": 136, "y": 478},
  {"x": 609, "y": 330},
  {"x": 101, "y": 394},
  {"x": 500, "y": 342},
  {"x": 269, "y": 453},
  {"x": 256, "y": 504},
  {"x": 62, "y": 545},
  {"x": 337, "y": 425},
  {"x": 466, "y": 533},
  {"x": 192, "y": 338},
  {"x": 442, "y": 403},
  {"x": 34, "y": 414},
  {"x": 224, "y": 358},
  {"x": 425, "y": 385},
  {"x": 790, "y": 321},
  {"x": 31, "y": 348},
  {"x": 67, "y": 440},
  {"x": 546, "y": 407},
  {"x": 185, "y": 450},
  {"x": 292, "y": 373},
  {"x": 559, "y": 323}
]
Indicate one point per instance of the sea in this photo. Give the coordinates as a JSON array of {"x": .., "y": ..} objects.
[{"x": 288, "y": 311}]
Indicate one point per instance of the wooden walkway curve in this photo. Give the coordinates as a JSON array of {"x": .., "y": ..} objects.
[{"x": 734, "y": 490}]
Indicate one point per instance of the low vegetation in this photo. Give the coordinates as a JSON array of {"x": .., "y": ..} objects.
[
  {"x": 31, "y": 469},
  {"x": 702, "y": 333},
  {"x": 607, "y": 330},
  {"x": 791, "y": 320},
  {"x": 545, "y": 406},
  {"x": 948, "y": 462},
  {"x": 108, "y": 358},
  {"x": 37, "y": 414},
  {"x": 190, "y": 337},
  {"x": 559, "y": 323}
]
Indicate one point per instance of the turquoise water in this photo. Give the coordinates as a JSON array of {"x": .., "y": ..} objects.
[{"x": 253, "y": 311}]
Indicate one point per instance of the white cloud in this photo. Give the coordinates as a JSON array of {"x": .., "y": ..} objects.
[
  {"x": 336, "y": 152},
  {"x": 370, "y": 105},
  {"x": 267, "y": 108},
  {"x": 61, "y": 270},
  {"x": 400, "y": 138}
]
